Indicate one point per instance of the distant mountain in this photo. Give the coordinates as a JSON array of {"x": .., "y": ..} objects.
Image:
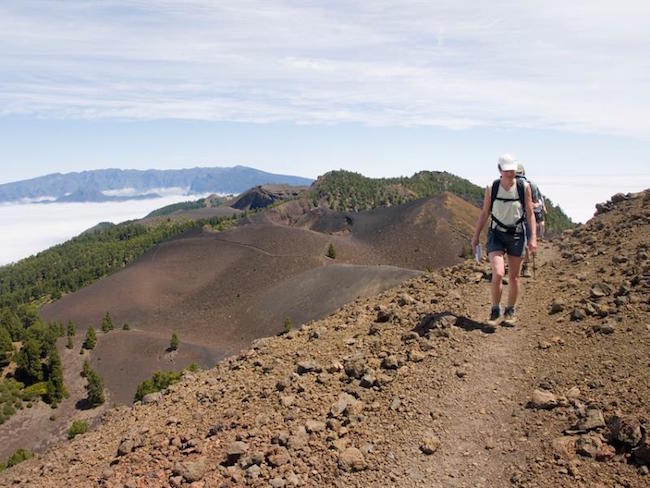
[{"x": 118, "y": 184}]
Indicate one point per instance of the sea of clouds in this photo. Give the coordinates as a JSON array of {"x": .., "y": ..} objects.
[{"x": 28, "y": 228}]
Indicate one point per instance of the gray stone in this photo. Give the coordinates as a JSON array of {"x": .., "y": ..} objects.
[
  {"x": 278, "y": 482},
  {"x": 390, "y": 362},
  {"x": 543, "y": 400},
  {"x": 577, "y": 314},
  {"x": 600, "y": 290},
  {"x": 304, "y": 367},
  {"x": 125, "y": 447},
  {"x": 278, "y": 457},
  {"x": 351, "y": 459},
  {"x": 593, "y": 447},
  {"x": 592, "y": 420},
  {"x": 152, "y": 398},
  {"x": 191, "y": 471},
  {"x": 368, "y": 380},
  {"x": 313, "y": 426},
  {"x": 625, "y": 429},
  {"x": 558, "y": 305},
  {"x": 235, "y": 450},
  {"x": 430, "y": 444}
]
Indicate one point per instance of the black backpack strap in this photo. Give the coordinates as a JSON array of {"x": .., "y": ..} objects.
[{"x": 495, "y": 190}]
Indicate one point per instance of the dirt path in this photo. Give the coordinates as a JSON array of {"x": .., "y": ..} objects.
[{"x": 482, "y": 438}]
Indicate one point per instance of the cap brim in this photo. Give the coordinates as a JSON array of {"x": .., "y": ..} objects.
[{"x": 509, "y": 167}]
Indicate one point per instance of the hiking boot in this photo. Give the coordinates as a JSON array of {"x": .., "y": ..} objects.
[
  {"x": 495, "y": 316},
  {"x": 509, "y": 317},
  {"x": 525, "y": 272}
]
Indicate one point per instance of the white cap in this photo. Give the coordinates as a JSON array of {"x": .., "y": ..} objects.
[{"x": 507, "y": 162}]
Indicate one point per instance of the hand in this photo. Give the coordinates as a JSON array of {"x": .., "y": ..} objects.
[
  {"x": 532, "y": 245},
  {"x": 474, "y": 243}
]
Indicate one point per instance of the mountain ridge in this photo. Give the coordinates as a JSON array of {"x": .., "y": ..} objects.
[{"x": 197, "y": 180}]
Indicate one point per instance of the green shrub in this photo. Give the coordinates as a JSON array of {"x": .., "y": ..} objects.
[
  {"x": 126, "y": 326},
  {"x": 94, "y": 388},
  {"x": 91, "y": 338},
  {"x": 288, "y": 325},
  {"x": 331, "y": 252},
  {"x": 107, "y": 323},
  {"x": 193, "y": 367},
  {"x": 158, "y": 382},
  {"x": 173, "y": 343},
  {"x": 34, "y": 391},
  {"x": 19, "y": 456},
  {"x": 77, "y": 427}
]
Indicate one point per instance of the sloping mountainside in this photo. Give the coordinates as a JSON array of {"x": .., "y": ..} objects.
[
  {"x": 222, "y": 290},
  {"x": 91, "y": 185},
  {"x": 406, "y": 389},
  {"x": 348, "y": 191}
]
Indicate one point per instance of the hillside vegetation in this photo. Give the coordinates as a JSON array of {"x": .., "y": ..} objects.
[
  {"x": 348, "y": 191},
  {"x": 26, "y": 285}
]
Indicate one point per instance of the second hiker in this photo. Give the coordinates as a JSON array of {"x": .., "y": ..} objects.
[{"x": 507, "y": 203}]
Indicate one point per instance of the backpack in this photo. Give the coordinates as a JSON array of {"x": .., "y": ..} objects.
[
  {"x": 521, "y": 195},
  {"x": 537, "y": 196}
]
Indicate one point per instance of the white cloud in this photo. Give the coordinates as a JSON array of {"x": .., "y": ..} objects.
[
  {"x": 580, "y": 66},
  {"x": 30, "y": 228}
]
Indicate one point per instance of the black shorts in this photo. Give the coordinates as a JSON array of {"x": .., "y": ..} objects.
[
  {"x": 539, "y": 217},
  {"x": 511, "y": 244}
]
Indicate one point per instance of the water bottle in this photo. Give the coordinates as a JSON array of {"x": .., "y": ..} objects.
[{"x": 478, "y": 253}]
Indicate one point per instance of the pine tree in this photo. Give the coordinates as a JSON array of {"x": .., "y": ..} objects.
[
  {"x": 288, "y": 325},
  {"x": 70, "y": 343},
  {"x": 12, "y": 323},
  {"x": 107, "y": 323},
  {"x": 126, "y": 326},
  {"x": 6, "y": 347},
  {"x": 331, "y": 252},
  {"x": 29, "y": 361},
  {"x": 70, "y": 329},
  {"x": 55, "y": 388},
  {"x": 91, "y": 338},
  {"x": 85, "y": 368},
  {"x": 173, "y": 344},
  {"x": 94, "y": 388}
]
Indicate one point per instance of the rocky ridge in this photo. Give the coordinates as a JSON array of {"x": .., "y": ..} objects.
[{"x": 408, "y": 389}]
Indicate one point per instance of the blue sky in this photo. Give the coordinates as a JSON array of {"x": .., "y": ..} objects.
[{"x": 384, "y": 88}]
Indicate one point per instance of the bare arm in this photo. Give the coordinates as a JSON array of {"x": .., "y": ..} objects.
[
  {"x": 482, "y": 218},
  {"x": 530, "y": 217}
]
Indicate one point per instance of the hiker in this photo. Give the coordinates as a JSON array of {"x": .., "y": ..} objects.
[
  {"x": 540, "y": 211},
  {"x": 538, "y": 205},
  {"x": 508, "y": 203}
]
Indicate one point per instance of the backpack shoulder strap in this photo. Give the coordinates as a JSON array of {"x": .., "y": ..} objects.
[
  {"x": 495, "y": 191},
  {"x": 521, "y": 192}
]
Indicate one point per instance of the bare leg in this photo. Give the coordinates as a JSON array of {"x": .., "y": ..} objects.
[
  {"x": 514, "y": 264},
  {"x": 498, "y": 271}
]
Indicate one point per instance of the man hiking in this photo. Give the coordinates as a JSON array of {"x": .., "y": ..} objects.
[
  {"x": 508, "y": 203},
  {"x": 538, "y": 206}
]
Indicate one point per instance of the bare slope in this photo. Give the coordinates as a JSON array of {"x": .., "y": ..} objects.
[
  {"x": 219, "y": 291},
  {"x": 404, "y": 389}
]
